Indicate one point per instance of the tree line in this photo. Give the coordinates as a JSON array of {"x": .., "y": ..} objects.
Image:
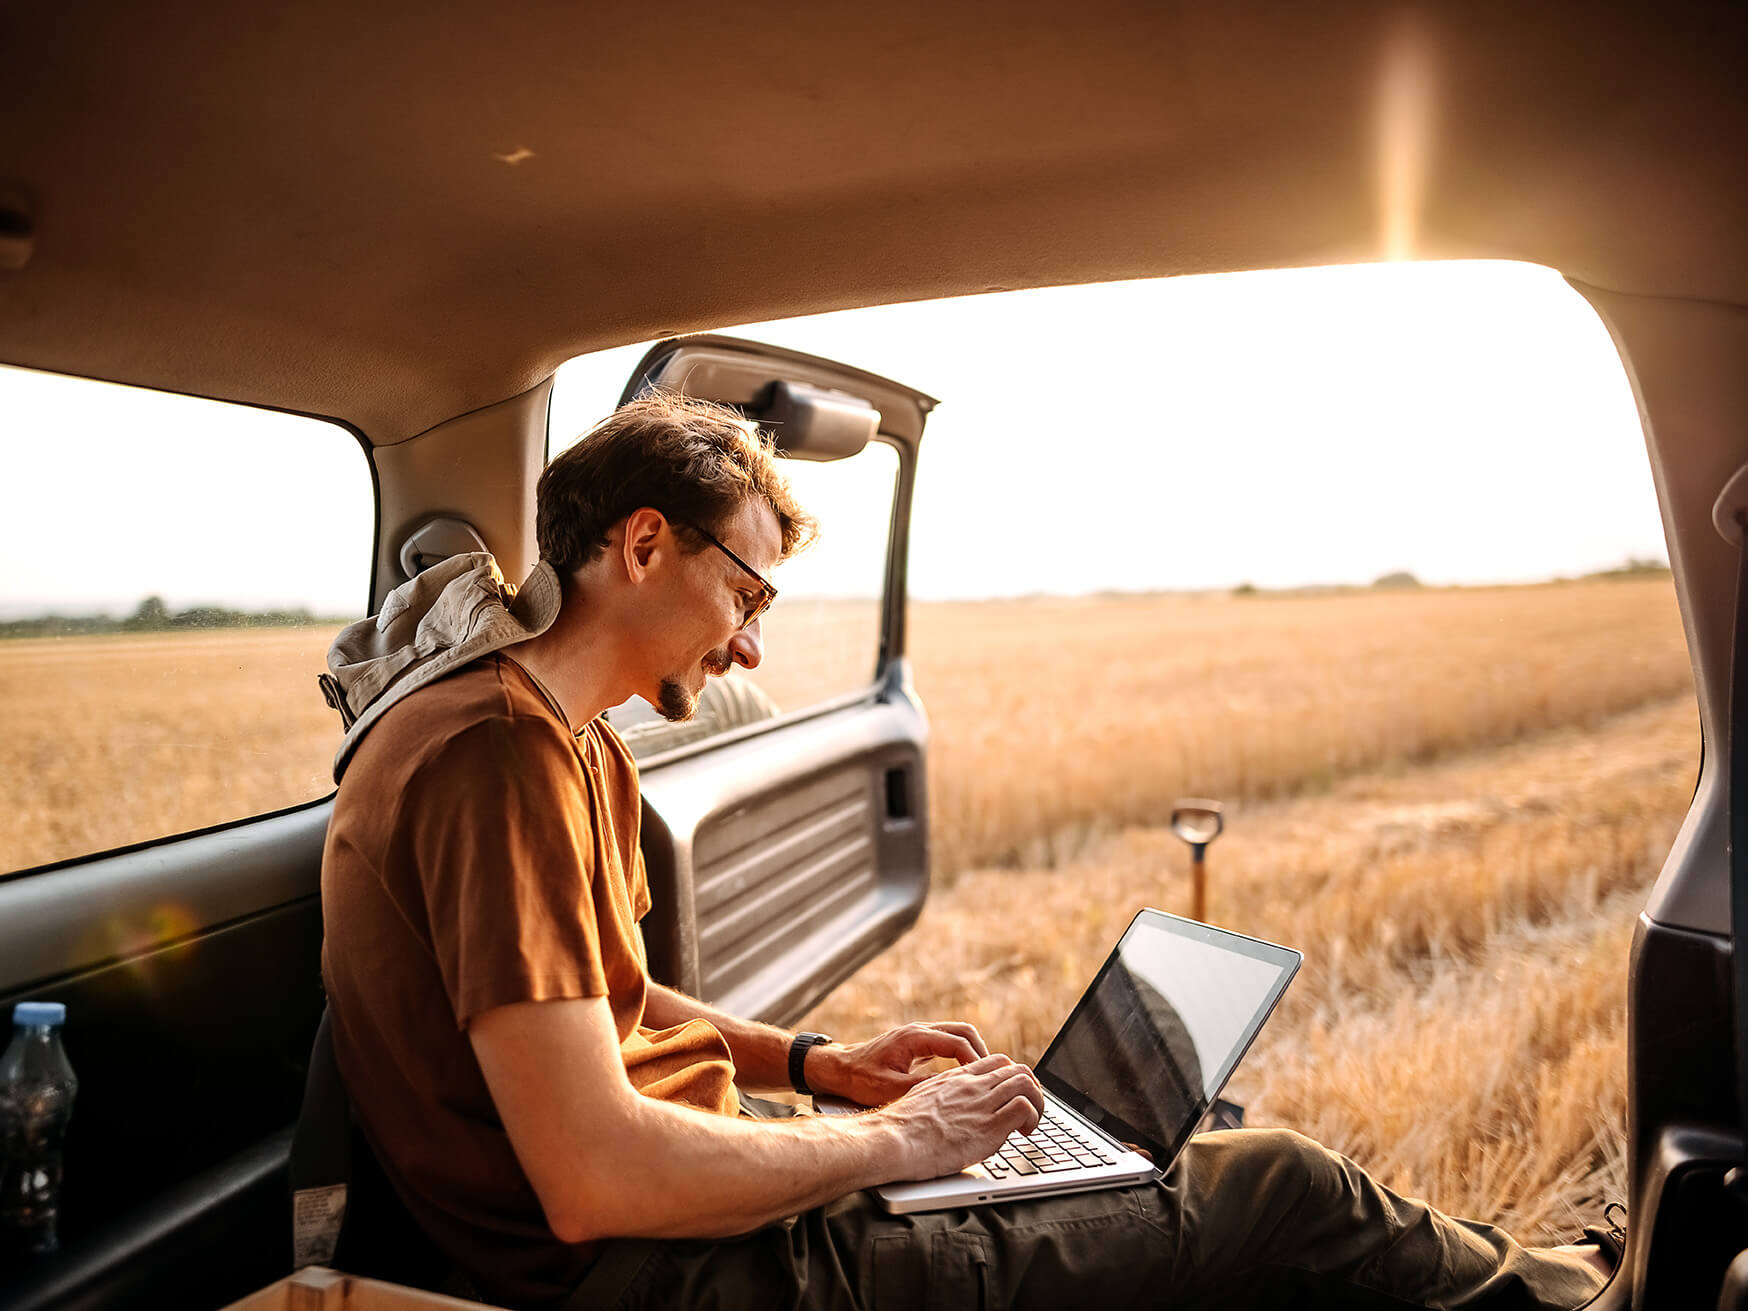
[{"x": 154, "y": 616}]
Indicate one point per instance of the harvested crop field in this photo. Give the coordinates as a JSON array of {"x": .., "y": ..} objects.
[
  {"x": 1053, "y": 720},
  {"x": 1057, "y": 720},
  {"x": 118, "y": 739},
  {"x": 1452, "y": 800},
  {"x": 1459, "y": 1026}
]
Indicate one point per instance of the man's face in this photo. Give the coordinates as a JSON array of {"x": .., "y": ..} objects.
[{"x": 706, "y": 606}]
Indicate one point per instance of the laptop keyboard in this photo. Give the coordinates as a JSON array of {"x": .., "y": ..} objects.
[{"x": 1053, "y": 1147}]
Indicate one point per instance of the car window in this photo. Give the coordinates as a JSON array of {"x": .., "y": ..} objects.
[
  {"x": 822, "y": 635},
  {"x": 171, "y": 573}
]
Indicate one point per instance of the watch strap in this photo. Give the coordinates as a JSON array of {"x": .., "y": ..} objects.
[{"x": 798, "y": 1049}]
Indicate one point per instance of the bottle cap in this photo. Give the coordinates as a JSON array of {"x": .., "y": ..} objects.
[{"x": 39, "y": 1012}]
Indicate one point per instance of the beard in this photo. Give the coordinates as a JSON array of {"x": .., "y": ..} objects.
[{"x": 676, "y": 703}]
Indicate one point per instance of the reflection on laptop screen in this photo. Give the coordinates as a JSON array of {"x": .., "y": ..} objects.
[{"x": 1155, "y": 1038}]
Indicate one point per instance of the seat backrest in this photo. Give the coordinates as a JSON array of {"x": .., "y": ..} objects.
[
  {"x": 345, "y": 1212},
  {"x": 320, "y": 1167}
]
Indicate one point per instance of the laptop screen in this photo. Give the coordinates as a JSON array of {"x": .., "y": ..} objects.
[{"x": 1162, "y": 1027}]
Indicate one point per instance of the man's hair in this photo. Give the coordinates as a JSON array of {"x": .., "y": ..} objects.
[{"x": 695, "y": 461}]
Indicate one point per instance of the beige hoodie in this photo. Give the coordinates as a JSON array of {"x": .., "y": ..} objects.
[{"x": 431, "y": 625}]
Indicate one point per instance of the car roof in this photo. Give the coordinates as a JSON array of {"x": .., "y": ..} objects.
[{"x": 393, "y": 215}]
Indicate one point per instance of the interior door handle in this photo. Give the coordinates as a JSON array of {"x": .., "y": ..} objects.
[{"x": 898, "y": 800}]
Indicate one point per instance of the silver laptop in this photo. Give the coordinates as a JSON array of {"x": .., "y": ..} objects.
[{"x": 1145, "y": 1052}]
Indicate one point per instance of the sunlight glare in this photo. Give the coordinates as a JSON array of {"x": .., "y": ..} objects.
[{"x": 1404, "y": 136}]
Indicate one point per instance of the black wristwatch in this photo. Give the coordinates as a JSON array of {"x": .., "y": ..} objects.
[{"x": 798, "y": 1050}]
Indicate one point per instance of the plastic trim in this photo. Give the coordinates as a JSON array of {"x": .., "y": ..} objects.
[
  {"x": 212, "y": 878},
  {"x": 155, "y": 1254}
]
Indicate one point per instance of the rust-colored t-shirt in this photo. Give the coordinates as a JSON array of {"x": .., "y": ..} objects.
[{"x": 480, "y": 855}]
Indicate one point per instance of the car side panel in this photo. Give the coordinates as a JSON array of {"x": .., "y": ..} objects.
[
  {"x": 189, "y": 1024},
  {"x": 191, "y": 974},
  {"x": 792, "y": 855},
  {"x": 1683, "y": 1117}
]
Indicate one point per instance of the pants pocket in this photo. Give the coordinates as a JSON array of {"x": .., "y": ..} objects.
[{"x": 947, "y": 1270}]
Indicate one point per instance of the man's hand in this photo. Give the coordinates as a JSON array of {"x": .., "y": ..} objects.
[
  {"x": 884, "y": 1069},
  {"x": 950, "y": 1120}
]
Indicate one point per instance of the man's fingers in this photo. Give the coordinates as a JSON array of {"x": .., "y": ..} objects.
[
  {"x": 1023, "y": 1082},
  {"x": 984, "y": 1064},
  {"x": 924, "y": 1077},
  {"x": 966, "y": 1031},
  {"x": 930, "y": 1041},
  {"x": 1021, "y": 1114},
  {"x": 1003, "y": 1083},
  {"x": 991, "y": 1083},
  {"x": 965, "y": 1105}
]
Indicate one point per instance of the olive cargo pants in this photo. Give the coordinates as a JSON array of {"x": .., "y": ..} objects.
[{"x": 1244, "y": 1218}]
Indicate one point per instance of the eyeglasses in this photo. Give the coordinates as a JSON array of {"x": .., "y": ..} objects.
[{"x": 767, "y": 593}]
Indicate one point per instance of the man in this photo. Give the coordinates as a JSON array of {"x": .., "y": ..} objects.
[{"x": 563, "y": 1126}]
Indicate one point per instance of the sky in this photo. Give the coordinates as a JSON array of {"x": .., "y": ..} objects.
[{"x": 1467, "y": 422}]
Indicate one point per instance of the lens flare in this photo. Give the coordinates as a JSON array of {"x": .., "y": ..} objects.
[
  {"x": 135, "y": 938},
  {"x": 1405, "y": 102}
]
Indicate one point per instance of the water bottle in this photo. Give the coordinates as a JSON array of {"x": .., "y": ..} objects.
[{"x": 36, "y": 1100}]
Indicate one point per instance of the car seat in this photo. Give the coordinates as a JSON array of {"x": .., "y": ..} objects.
[{"x": 377, "y": 1236}]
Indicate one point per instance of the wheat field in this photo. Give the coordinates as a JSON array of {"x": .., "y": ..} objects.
[
  {"x": 1057, "y": 720},
  {"x": 1452, "y": 800},
  {"x": 1459, "y": 1025},
  {"x": 114, "y": 740}
]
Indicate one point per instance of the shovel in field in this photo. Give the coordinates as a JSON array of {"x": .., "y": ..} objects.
[{"x": 1198, "y": 821}]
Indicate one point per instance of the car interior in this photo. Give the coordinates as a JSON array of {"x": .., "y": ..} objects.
[{"x": 400, "y": 224}]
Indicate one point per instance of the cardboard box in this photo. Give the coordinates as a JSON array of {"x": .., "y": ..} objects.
[{"x": 318, "y": 1288}]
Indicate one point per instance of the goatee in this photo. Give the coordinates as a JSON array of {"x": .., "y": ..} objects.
[{"x": 676, "y": 704}]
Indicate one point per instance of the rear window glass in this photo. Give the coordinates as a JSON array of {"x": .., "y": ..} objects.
[{"x": 171, "y": 573}]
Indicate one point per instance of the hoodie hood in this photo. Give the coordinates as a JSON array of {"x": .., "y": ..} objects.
[{"x": 453, "y": 612}]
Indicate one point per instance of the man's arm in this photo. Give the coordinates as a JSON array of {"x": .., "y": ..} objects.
[
  {"x": 608, "y": 1162},
  {"x": 872, "y": 1073}
]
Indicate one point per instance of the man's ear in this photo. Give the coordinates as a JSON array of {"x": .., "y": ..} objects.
[{"x": 644, "y": 539}]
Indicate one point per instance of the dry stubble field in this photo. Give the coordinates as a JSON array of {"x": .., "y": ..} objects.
[{"x": 1453, "y": 801}]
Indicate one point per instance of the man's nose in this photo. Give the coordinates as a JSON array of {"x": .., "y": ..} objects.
[{"x": 747, "y": 647}]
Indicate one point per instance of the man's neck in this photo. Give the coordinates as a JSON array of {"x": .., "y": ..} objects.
[{"x": 577, "y": 673}]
